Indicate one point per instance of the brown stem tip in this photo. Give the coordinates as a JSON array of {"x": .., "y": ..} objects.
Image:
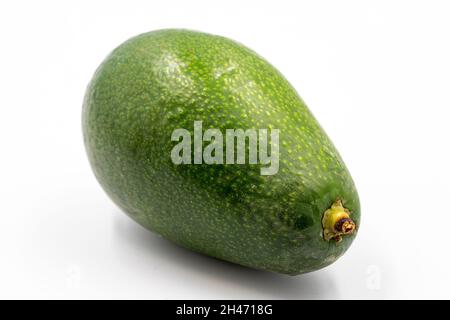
[
  {"x": 336, "y": 222},
  {"x": 344, "y": 226}
]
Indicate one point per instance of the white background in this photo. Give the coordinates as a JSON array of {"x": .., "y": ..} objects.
[{"x": 376, "y": 74}]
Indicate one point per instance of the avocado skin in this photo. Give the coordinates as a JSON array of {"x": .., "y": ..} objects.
[{"x": 166, "y": 79}]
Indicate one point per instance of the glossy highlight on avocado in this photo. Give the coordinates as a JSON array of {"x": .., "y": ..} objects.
[{"x": 298, "y": 220}]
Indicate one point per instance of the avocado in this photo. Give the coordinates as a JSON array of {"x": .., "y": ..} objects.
[{"x": 202, "y": 141}]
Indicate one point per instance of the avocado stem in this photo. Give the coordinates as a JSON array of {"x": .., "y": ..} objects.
[{"x": 336, "y": 222}]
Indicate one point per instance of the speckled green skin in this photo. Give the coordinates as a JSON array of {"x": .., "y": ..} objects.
[{"x": 163, "y": 80}]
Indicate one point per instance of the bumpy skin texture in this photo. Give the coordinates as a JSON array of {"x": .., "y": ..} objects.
[{"x": 163, "y": 80}]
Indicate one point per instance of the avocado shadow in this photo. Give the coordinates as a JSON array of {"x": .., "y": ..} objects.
[{"x": 245, "y": 282}]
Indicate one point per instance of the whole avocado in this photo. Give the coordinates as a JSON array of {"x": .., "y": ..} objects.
[{"x": 300, "y": 219}]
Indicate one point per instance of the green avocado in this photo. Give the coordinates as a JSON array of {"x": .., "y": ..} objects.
[{"x": 158, "y": 121}]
